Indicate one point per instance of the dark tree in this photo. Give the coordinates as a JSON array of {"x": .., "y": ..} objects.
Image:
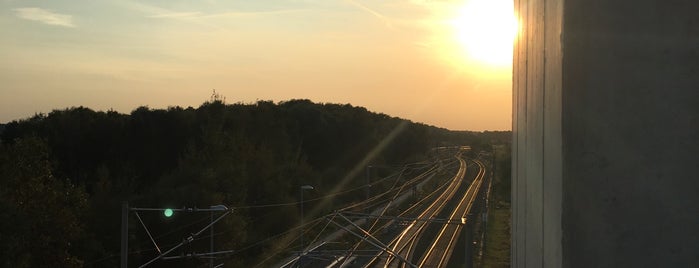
[{"x": 40, "y": 215}]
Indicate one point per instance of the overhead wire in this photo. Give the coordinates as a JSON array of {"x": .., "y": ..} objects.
[
  {"x": 275, "y": 236},
  {"x": 401, "y": 214},
  {"x": 367, "y": 201},
  {"x": 315, "y": 221},
  {"x": 147, "y": 242},
  {"x": 312, "y": 223},
  {"x": 325, "y": 196},
  {"x": 375, "y": 197},
  {"x": 271, "y": 205},
  {"x": 320, "y": 233},
  {"x": 356, "y": 245},
  {"x": 307, "y": 200}
]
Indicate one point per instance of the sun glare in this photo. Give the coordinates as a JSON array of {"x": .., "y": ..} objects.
[{"x": 485, "y": 31}]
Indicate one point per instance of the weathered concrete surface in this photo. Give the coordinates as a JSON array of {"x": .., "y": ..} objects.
[
  {"x": 606, "y": 134},
  {"x": 631, "y": 133},
  {"x": 536, "y": 128}
]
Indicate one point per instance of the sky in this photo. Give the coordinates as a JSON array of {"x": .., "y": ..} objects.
[{"x": 404, "y": 58}]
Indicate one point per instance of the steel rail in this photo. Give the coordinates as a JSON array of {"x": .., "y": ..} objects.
[
  {"x": 441, "y": 248},
  {"x": 416, "y": 228}
]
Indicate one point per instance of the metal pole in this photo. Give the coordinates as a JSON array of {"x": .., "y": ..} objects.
[
  {"x": 302, "y": 222},
  {"x": 186, "y": 240},
  {"x": 368, "y": 181},
  {"x": 368, "y": 187},
  {"x": 303, "y": 229},
  {"x": 211, "y": 239},
  {"x": 124, "y": 234}
]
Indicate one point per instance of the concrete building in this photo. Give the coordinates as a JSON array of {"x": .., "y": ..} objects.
[{"x": 606, "y": 134}]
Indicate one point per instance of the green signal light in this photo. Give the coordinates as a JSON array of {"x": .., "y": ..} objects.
[{"x": 168, "y": 212}]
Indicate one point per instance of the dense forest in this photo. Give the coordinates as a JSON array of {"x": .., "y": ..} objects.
[{"x": 65, "y": 174}]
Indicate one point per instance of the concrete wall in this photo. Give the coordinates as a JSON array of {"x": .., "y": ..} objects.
[
  {"x": 537, "y": 169},
  {"x": 606, "y": 134}
]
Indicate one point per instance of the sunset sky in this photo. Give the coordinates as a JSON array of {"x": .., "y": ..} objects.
[{"x": 413, "y": 59}]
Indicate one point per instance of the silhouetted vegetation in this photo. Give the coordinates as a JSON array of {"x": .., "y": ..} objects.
[{"x": 64, "y": 175}]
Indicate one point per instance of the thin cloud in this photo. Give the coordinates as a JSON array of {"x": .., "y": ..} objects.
[
  {"x": 44, "y": 16},
  {"x": 156, "y": 12},
  {"x": 189, "y": 15},
  {"x": 176, "y": 15},
  {"x": 378, "y": 15},
  {"x": 252, "y": 13}
]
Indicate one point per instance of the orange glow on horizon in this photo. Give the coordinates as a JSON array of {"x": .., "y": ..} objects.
[{"x": 410, "y": 59}]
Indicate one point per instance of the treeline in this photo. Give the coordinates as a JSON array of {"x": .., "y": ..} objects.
[{"x": 64, "y": 175}]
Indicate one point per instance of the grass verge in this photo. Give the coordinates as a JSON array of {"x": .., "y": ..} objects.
[{"x": 497, "y": 247}]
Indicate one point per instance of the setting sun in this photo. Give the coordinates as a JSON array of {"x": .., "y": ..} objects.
[{"x": 485, "y": 30}]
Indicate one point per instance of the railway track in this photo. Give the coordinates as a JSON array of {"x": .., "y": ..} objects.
[
  {"x": 404, "y": 243},
  {"x": 441, "y": 249}
]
